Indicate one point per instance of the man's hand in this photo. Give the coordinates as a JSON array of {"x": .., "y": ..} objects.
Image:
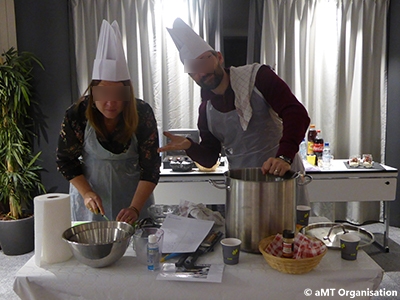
[
  {"x": 176, "y": 143},
  {"x": 275, "y": 166}
]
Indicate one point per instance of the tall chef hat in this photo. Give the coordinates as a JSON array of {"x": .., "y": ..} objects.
[
  {"x": 190, "y": 45},
  {"x": 110, "y": 62}
]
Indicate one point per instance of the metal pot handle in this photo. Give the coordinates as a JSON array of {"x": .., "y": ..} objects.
[
  {"x": 330, "y": 231},
  {"x": 304, "y": 179},
  {"x": 218, "y": 184}
]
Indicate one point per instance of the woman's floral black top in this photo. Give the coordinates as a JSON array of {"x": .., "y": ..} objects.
[{"x": 70, "y": 142}]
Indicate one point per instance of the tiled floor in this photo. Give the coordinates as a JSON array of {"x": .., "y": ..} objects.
[
  {"x": 9, "y": 265},
  {"x": 391, "y": 280}
]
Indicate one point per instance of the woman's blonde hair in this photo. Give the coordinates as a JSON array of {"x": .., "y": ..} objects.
[{"x": 127, "y": 124}]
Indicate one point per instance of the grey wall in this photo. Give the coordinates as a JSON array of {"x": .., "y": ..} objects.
[
  {"x": 42, "y": 28},
  {"x": 235, "y": 17}
]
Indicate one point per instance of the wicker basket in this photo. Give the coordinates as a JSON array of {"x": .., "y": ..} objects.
[{"x": 287, "y": 265}]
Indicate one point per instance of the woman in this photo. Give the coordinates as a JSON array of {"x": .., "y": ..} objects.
[{"x": 108, "y": 142}]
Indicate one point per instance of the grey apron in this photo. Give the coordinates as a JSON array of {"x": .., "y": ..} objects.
[
  {"x": 114, "y": 177},
  {"x": 251, "y": 148}
]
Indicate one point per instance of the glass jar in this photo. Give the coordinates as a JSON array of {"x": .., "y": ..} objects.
[{"x": 288, "y": 243}]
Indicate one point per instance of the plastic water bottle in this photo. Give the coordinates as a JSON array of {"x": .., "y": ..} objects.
[
  {"x": 153, "y": 253},
  {"x": 303, "y": 149},
  {"x": 326, "y": 157}
]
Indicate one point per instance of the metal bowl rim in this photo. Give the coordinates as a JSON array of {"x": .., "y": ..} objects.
[{"x": 130, "y": 233}]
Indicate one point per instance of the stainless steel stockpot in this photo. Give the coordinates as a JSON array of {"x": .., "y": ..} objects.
[{"x": 259, "y": 205}]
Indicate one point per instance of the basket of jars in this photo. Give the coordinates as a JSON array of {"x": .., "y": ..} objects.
[{"x": 306, "y": 254}]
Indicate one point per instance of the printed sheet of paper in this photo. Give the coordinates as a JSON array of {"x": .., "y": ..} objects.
[{"x": 184, "y": 235}]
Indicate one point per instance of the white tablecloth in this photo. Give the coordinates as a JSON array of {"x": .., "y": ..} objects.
[{"x": 252, "y": 278}]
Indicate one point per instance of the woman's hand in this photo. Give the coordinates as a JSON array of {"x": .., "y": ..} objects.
[
  {"x": 275, "y": 166},
  {"x": 131, "y": 214},
  {"x": 128, "y": 215},
  {"x": 93, "y": 203},
  {"x": 177, "y": 142}
]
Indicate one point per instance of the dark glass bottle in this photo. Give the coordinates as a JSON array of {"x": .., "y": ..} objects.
[
  {"x": 318, "y": 146},
  {"x": 312, "y": 133}
]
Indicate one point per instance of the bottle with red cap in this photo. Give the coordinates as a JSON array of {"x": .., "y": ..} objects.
[{"x": 318, "y": 147}]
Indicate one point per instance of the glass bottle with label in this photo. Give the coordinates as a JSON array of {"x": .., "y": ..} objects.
[
  {"x": 288, "y": 243},
  {"x": 318, "y": 147},
  {"x": 312, "y": 133}
]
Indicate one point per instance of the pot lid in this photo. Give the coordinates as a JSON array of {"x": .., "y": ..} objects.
[{"x": 330, "y": 233}]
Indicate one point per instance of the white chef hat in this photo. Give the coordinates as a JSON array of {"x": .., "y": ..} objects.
[
  {"x": 190, "y": 45},
  {"x": 110, "y": 62}
]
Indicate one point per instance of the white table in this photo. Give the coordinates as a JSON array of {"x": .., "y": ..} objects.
[
  {"x": 338, "y": 184},
  {"x": 341, "y": 184},
  {"x": 193, "y": 186},
  {"x": 252, "y": 278}
]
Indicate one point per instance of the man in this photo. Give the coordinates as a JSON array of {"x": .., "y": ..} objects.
[{"x": 249, "y": 110}]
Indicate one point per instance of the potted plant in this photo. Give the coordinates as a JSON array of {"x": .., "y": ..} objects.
[{"x": 19, "y": 178}]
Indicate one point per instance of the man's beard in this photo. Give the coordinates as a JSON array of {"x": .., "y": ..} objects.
[{"x": 209, "y": 84}]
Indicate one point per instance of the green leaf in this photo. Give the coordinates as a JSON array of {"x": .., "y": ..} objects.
[{"x": 19, "y": 171}]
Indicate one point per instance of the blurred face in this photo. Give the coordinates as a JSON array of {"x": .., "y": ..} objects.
[
  {"x": 110, "y": 97},
  {"x": 211, "y": 72}
]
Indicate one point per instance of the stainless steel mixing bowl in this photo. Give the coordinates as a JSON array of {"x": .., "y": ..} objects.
[{"x": 99, "y": 244}]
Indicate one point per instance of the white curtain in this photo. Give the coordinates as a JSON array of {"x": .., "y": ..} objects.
[
  {"x": 153, "y": 60},
  {"x": 332, "y": 53}
]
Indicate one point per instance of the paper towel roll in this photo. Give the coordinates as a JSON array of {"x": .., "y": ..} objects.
[{"x": 52, "y": 218}]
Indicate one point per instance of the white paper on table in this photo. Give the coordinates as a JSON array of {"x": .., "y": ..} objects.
[
  {"x": 184, "y": 235},
  {"x": 201, "y": 273}
]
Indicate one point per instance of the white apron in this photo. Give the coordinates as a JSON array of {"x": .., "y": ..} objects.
[
  {"x": 114, "y": 177},
  {"x": 251, "y": 148}
]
